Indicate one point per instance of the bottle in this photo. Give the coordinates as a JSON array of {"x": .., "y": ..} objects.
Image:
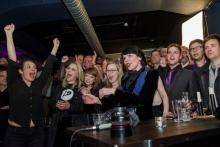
[
  {"x": 200, "y": 106},
  {"x": 212, "y": 101}
]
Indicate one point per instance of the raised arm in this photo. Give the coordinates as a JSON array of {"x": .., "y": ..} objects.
[
  {"x": 9, "y": 29},
  {"x": 56, "y": 44},
  {"x": 94, "y": 58}
]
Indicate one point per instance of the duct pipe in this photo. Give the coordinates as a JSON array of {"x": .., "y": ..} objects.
[{"x": 78, "y": 12}]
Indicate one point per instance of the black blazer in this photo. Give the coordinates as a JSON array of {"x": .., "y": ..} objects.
[
  {"x": 201, "y": 76},
  {"x": 182, "y": 81}
]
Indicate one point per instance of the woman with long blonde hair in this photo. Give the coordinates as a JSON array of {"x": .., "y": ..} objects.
[{"x": 66, "y": 105}]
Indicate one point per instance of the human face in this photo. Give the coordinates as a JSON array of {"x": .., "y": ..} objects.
[
  {"x": 104, "y": 64},
  {"x": 28, "y": 72},
  {"x": 173, "y": 56},
  {"x": 80, "y": 59},
  {"x": 132, "y": 62},
  {"x": 163, "y": 62},
  {"x": 3, "y": 61},
  {"x": 184, "y": 53},
  {"x": 3, "y": 78},
  {"x": 112, "y": 73},
  {"x": 163, "y": 52},
  {"x": 89, "y": 79},
  {"x": 71, "y": 73},
  {"x": 212, "y": 49},
  {"x": 196, "y": 51},
  {"x": 87, "y": 62},
  {"x": 155, "y": 57}
]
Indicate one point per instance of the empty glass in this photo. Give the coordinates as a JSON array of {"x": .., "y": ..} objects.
[
  {"x": 177, "y": 108},
  {"x": 98, "y": 118},
  {"x": 160, "y": 122}
]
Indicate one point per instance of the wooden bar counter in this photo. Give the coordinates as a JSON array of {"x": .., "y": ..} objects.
[{"x": 195, "y": 132}]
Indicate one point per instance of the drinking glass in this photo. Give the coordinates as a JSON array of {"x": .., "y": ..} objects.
[
  {"x": 160, "y": 122},
  {"x": 177, "y": 110},
  {"x": 98, "y": 118}
]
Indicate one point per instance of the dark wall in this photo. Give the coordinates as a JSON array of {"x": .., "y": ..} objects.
[{"x": 212, "y": 15}]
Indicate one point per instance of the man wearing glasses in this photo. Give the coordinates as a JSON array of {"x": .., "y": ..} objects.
[{"x": 200, "y": 69}]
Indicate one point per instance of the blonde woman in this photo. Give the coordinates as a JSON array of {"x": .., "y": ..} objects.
[
  {"x": 66, "y": 104},
  {"x": 113, "y": 80}
]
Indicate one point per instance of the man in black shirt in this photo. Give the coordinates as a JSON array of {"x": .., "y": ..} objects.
[{"x": 25, "y": 94}]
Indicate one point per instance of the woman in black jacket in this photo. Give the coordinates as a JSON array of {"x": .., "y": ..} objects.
[{"x": 66, "y": 105}]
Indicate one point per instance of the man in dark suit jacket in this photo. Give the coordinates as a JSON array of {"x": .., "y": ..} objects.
[
  {"x": 212, "y": 51},
  {"x": 175, "y": 78},
  {"x": 200, "y": 69}
]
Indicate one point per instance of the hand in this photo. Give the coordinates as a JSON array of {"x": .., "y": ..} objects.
[
  {"x": 64, "y": 59},
  {"x": 106, "y": 91},
  {"x": 63, "y": 105},
  {"x": 84, "y": 90},
  {"x": 188, "y": 104},
  {"x": 9, "y": 29},
  {"x": 168, "y": 114},
  {"x": 90, "y": 99},
  {"x": 56, "y": 42}
]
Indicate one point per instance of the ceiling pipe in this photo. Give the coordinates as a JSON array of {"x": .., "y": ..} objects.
[{"x": 78, "y": 12}]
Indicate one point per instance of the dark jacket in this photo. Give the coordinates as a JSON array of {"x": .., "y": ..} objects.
[
  {"x": 61, "y": 119},
  {"x": 217, "y": 94},
  {"x": 216, "y": 88},
  {"x": 125, "y": 96},
  {"x": 201, "y": 76},
  {"x": 182, "y": 81},
  {"x": 76, "y": 103}
]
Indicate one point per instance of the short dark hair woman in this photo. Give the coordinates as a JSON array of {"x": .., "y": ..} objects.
[{"x": 26, "y": 117}]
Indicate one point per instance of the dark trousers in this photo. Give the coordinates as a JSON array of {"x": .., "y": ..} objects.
[
  {"x": 3, "y": 124},
  {"x": 24, "y": 137}
]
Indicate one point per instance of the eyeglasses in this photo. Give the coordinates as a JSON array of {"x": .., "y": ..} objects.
[
  {"x": 195, "y": 48},
  {"x": 111, "y": 71}
]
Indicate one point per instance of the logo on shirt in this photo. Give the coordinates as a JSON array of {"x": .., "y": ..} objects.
[{"x": 67, "y": 94}]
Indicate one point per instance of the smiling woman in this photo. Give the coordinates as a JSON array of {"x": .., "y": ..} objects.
[
  {"x": 66, "y": 105},
  {"x": 25, "y": 94}
]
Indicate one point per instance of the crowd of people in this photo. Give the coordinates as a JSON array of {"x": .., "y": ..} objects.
[{"x": 87, "y": 84}]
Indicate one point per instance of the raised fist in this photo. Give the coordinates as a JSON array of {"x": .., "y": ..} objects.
[
  {"x": 64, "y": 59},
  {"x": 56, "y": 42},
  {"x": 9, "y": 28}
]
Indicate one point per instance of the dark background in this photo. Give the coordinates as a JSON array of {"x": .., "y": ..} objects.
[{"x": 118, "y": 23}]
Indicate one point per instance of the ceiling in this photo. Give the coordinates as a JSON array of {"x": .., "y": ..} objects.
[{"x": 118, "y": 23}]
